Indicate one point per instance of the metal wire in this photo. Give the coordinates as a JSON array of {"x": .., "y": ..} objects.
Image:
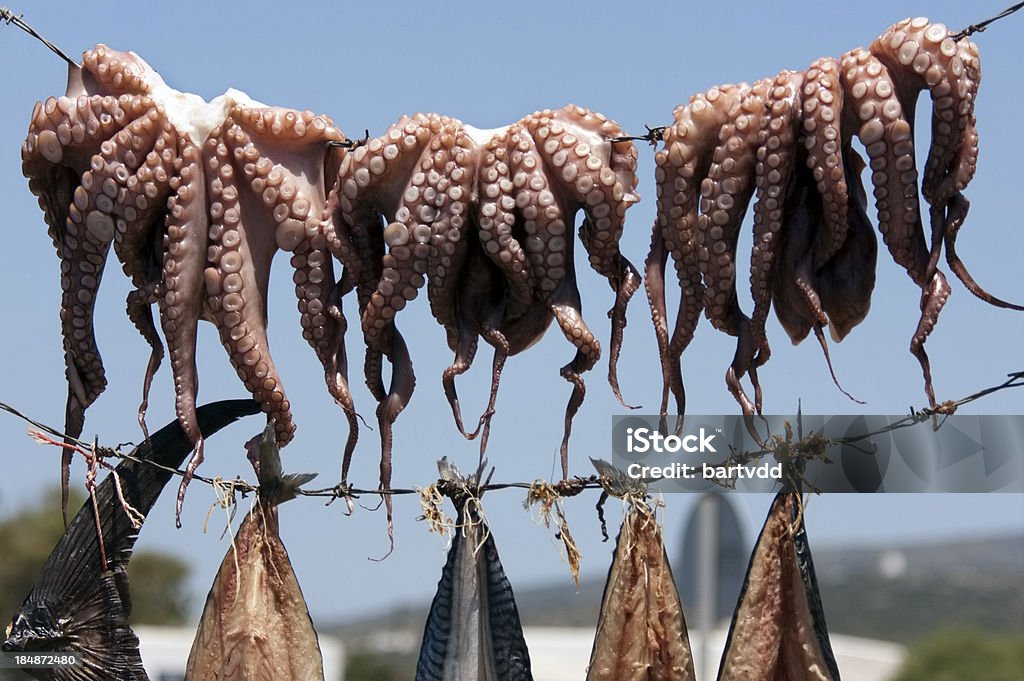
[
  {"x": 785, "y": 447},
  {"x": 9, "y": 17},
  {"x": 982, "y": 25}
]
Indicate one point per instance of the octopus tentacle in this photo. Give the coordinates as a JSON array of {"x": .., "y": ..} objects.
[
  {"x": 725, "y": 194},
  {"x": 65, "y": 135},
  {"x": 923, "y": 55},
  {"x": 773, "y": 173},
  {"x": 919, "y": 55},
  {"x": 688, "y": 153},
  {"x": 953, "y": 217},
  {"x": 798, "y": 304},
  {"x": 847, "y": 280},
  {"x": 142, "y": 177},
  {"x": 184, "y": 294},
  {"x": 239, "y": 261},
  {"x": 822, "y": 105},
  {"x": 367, "y": 193},
  {"x": 509, "y": 169},
  {"x": 567, "y": 310},
  {"x": 600, "y": 177},
  {"x": 888, "y": 137},
  {"x": 138, "y": 306}
]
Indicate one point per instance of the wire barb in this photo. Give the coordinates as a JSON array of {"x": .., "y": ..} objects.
[
  {"x": 352, "y": 144},
  {"x": 9, "y": 17},
  {"x": 653, "y": 136},
  {"x": 982, "y": 25}
]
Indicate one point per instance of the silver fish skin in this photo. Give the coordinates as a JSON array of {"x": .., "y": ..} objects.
[{"x": 473, "y": 631}]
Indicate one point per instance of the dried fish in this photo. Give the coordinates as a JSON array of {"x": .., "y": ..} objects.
[
  {"x": 778, "y": 631},
  {"x": 255, "y": 625},
  {"x": 77, "y": 606},
  {"x": 641, "y": 633},
  {"x": 473, "y": 632}
]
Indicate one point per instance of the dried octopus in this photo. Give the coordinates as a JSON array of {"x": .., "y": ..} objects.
[
  {"x": 484, "y": 218},
  {"x": 196, "y": 198},
  {"x": 789, "y": 139}
]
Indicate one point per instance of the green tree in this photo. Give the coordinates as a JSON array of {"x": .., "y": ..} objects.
[
  {"x": 29, "y": 535},
  {"x": 965, "y": 655}
]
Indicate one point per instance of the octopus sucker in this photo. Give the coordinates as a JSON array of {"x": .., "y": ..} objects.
[
  {"x": 641, "y": 631},
  {"x": 81, "y": 604},
  {"x": 255, "y": 624},
  {"x": 778, "y": 630},
  {"x": 473, "y": 631}
]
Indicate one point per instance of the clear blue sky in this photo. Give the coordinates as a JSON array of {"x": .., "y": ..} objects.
[{"x": 489, "y": 64}]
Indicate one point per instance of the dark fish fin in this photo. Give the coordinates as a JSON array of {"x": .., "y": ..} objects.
[
  {"x": 641, "y": 625},
  {"x": 100, "y": 632},
  {"x": 500, "y": 646},
  {"x": 778, "y": 629},
  {"x": 77, "y": 606}
]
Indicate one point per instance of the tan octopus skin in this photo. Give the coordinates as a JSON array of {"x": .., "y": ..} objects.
[
  {"x": 813, "y": 255},
  {"x": 484, "y": 218},
  {"x": 196, "y": 197}
]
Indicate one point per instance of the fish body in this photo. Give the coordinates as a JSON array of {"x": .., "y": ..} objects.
[
  {"x": 778, "y": 631},
  {"x": 473, "y": 631},
  {"x": 255, "y": 625},
  {"x": 76, "y": 605},
  {"x": 641, "y": 633}
]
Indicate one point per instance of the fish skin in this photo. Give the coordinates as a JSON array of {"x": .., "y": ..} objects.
[
  {"x": 75, "y": 606},
  {"x": 778, "y": 630},
  {"x": 641, "y": 633},
  {"x": 255, "y": 624},
  {"x": 473, "y": 631}
]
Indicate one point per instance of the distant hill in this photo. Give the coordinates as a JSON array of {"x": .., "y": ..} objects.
[{"x": 896, "y": 593}]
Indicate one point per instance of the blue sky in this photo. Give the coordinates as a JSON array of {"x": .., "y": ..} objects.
[{"x": 489, "y": 64}]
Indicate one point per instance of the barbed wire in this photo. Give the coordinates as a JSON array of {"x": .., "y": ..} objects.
[
  {"x": 652, "y": 136},
  {"x": 783, "y": 447}
]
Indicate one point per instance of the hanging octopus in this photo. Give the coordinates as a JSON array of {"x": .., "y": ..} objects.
[
  {"x": 789, "y": 140},
  {"x": 196, "y": 197},
  {"x": 484, "y": 218}
]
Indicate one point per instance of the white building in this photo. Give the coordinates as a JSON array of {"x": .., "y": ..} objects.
[
  {"x": 562, "y": 654},
  {"x": 165, "y": 653}
]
